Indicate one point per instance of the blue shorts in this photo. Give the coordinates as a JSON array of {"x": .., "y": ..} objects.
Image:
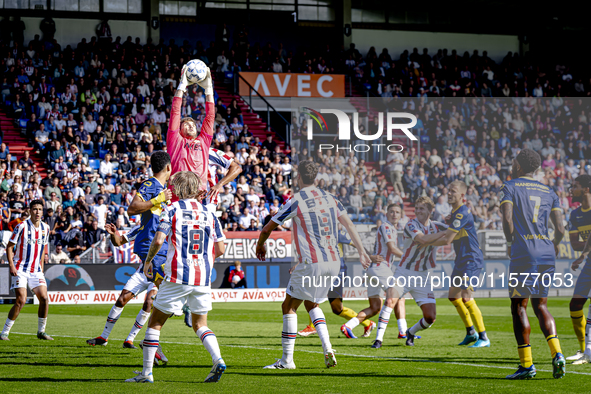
[
  {"x": 337, "y": 291},
  {"x": 157, "y": 268},
  {"x": 532, "y": 285},
  {"x": 466, "y": 272},
  {"x": 583, "y": 285}
]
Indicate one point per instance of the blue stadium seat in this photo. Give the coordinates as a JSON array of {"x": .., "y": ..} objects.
[
  {"x": 94, "y": 164},
  {"x": 113, "y": 181},
  {"x": 89, "y": 152},
  {"x": 102, "y": 153},
  {"x": 22, "y": 123}
]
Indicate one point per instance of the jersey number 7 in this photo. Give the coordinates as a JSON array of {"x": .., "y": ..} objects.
[{"x": 537, "y": 202}]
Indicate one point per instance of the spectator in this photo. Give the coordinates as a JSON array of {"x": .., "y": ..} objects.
[
  {"x": 244, "y": 221},
  {"x": 59, "y": 256}
]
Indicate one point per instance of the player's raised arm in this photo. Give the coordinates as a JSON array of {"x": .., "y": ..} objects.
[
  {"x": 207, "y": 85},
  {"x": 118, "y": 239},
  {"x": 175, "y": 112},
  {"x": 223, "y": 161},
  {"x": 139, "y": 205}
]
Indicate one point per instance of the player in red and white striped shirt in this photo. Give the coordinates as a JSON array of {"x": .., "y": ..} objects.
[
  {"x": 316, "y": 215},
  {"x": 419, "y": 257},
  {"x": 195, "y": 239},
  {"x": 386, "y": 247},
  {"x": 31, "y": 238},
  {"x": 231, "y": 168}
]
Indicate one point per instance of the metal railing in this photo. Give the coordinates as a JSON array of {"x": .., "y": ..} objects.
[
  {"x": 92, "y": 254},
  {"x": 270, "y": 108}
]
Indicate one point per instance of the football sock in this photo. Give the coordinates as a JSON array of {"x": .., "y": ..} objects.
[
  {"x": 525, "y": 355},
  {"x": 587, "y": 337},
  {"x": 140, "y": 320},
  {"x": 420, "y": 326},
  {"x": 320, "y": 325},
  {"x": 554, "y": 345},
  {"x": 402, "y": 327},
  {"x": 354, "y": 322},
  {"x": 476, "y": 318},
  {"x": 210, "y": 342},
  {"x": 151, "y": 342},
  {"x": 41, "y": 323},
  {"x": 349, "y": 313},
  {"x": 464, "y": 315},
  {"x": 111, "y": 320},
  {"x": 288, "y": 336},
  {"x": 7, "y": 326},
  {"x": 383, "y": 322},
  {"x": 578, "y": 319}
]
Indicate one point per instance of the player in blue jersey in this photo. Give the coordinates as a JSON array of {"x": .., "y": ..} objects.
[
  {"x": 579, "y": 230},
  {"x": 468, "y": 264},
  {"x": 335, "y": 296},
  {"x": 526, "y": 206},
  {"x": 148, "y": 202}
]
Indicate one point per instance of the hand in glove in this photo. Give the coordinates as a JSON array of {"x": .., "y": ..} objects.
[
  {"x": 207, "y": 84},
  {"x": 184, "y": 82}
]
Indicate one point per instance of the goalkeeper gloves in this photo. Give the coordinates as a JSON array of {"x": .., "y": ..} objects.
[
  {"x": 184, "y": 82},
  {"x": 207, "y": 84},
  {"x": 159, "y": 199}
]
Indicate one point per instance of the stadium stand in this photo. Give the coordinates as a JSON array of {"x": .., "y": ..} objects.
[{"x": 90, "y": 116}]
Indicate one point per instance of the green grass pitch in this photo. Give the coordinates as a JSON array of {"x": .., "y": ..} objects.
[{"x": 250, "y": 338}]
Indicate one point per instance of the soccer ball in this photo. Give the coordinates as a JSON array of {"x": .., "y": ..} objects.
[
  {"x": 196, "y": 71},
  {"x": 236, "y": 279}
]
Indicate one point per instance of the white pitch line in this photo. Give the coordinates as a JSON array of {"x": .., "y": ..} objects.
[{"x": 341, "y": 354}]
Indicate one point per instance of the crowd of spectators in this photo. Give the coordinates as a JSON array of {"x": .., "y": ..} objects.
[
  {"x": 95, "y": 113},
  {"x": 470, "y": 139}
]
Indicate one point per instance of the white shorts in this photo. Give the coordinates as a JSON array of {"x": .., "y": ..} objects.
[
  {"x": 382, "y": 272},
  {"x": 315, "y": 288},
  {"x": 138, "y": 283},
  {"x": 172, "y": 296},
  {"x": 415, "y": 283},
  {"x": 34, "y": 280}
]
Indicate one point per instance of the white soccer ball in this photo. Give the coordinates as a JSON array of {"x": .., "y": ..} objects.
[
  {"x": 196, "y": 71},
  {"x": 236, "y": 279}
]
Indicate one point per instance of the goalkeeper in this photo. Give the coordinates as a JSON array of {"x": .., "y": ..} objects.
[{"x": 189, "y": 148}]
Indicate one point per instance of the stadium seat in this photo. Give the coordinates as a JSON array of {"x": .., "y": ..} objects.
[
  {"x": 94, "y": 164},
  {"x": 22, "y": 123},
  {"x": 102, "y": 153}
]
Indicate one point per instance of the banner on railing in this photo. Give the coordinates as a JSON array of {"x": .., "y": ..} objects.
[
  {"x": 293, "y": 85},
  {"x": 242, "y": 245}
]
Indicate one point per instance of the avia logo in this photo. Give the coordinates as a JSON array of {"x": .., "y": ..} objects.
[{"x": 344, "y": 124}]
